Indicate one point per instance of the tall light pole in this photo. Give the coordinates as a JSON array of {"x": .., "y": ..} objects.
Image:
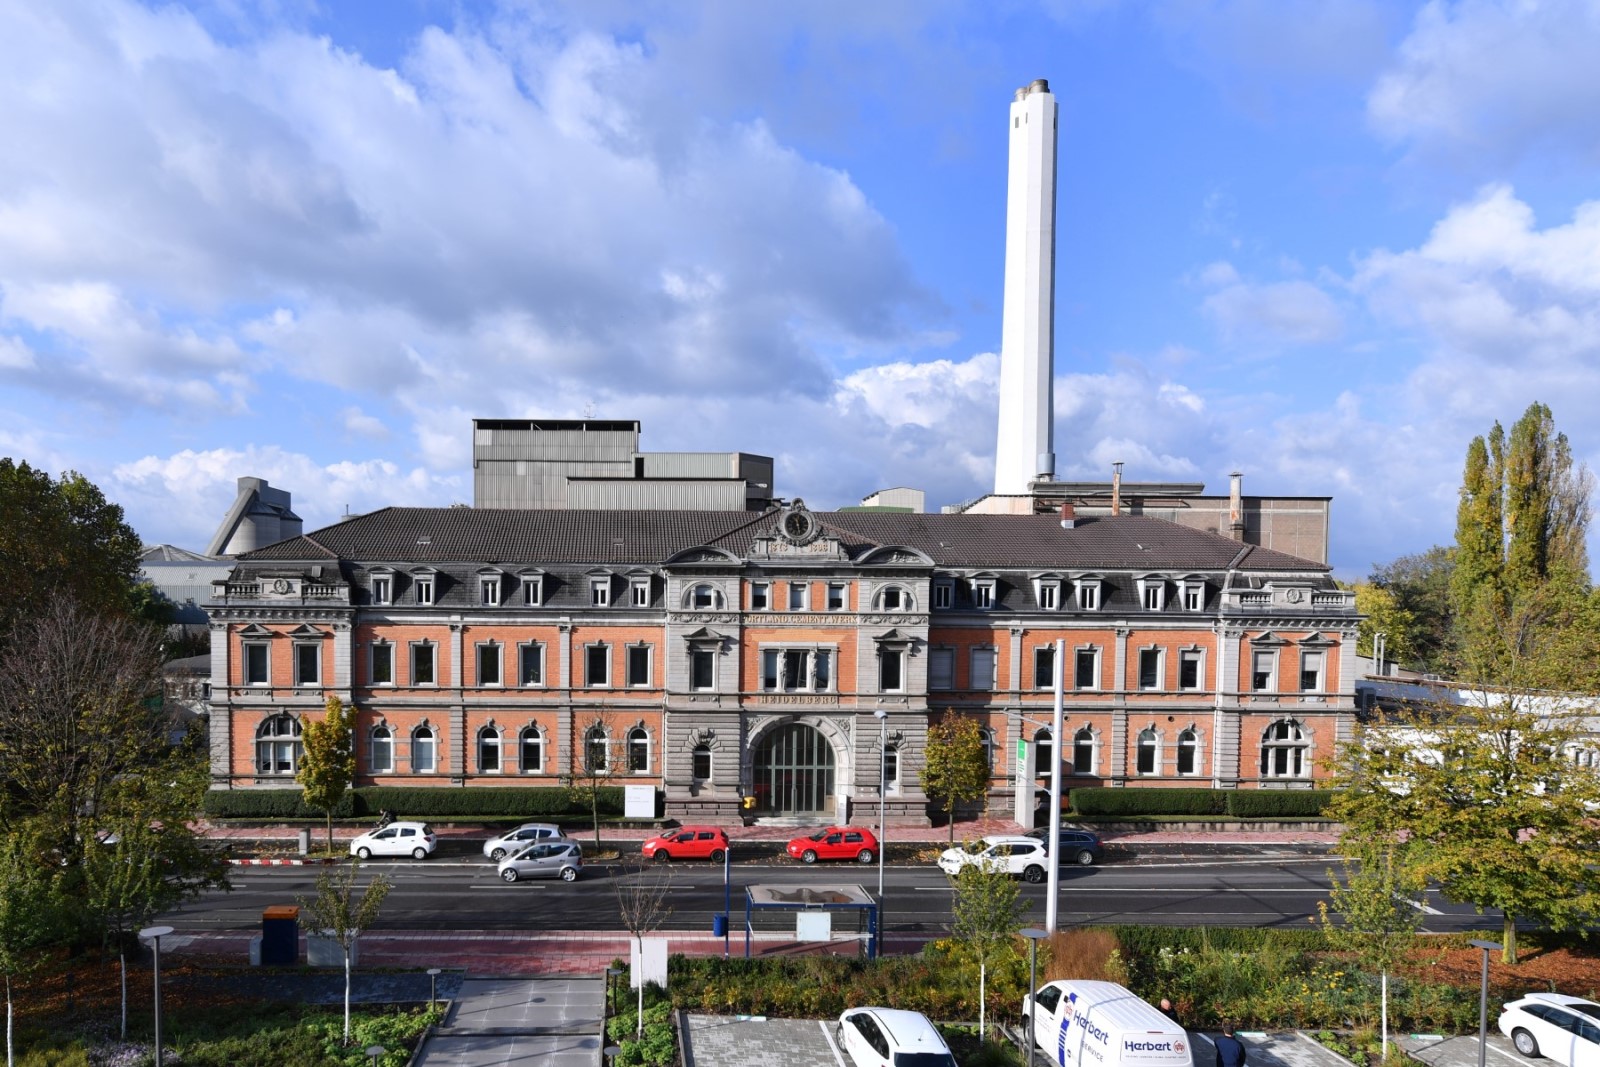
[
  {"x": 883, "y": 788},
  {"x": 154, "y": 934},
  {"x": 1034, "y": 936},
  {"x": 1483, "y": 998},
  {"x": 1052, "y": 894}
]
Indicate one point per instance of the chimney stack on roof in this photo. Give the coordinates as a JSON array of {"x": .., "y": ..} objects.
[{"x": 1069, "y": 516}]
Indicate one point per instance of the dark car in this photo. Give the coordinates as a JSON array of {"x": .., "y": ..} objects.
[{"x": 1077, "y": 846}]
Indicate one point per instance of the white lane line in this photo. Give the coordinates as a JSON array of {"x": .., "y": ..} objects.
[
  {"x": 1419, "y": 905},
  {"x": 827, "y": 1034}
]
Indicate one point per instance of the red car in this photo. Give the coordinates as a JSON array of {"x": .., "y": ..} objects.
[
  {"x": 688, "y": 843},
  {"x": 836, "y": 843}
]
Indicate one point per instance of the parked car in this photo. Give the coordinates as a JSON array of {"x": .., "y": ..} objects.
[
  {"x": 414, "y": 839},
  {"x": 497, "y": 848},
  {"x": 687, "y": 843},
  {"x": 1566, "y": 1029},
  {"x": 1015, "y": 855},
  {"x": 559, "y": 858},
  {"x": 1077, "y": 846},
  {"x": 836, "y": 843},
  {"x": 890, "y": 1037}
]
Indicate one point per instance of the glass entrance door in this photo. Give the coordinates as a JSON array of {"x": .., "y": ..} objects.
[{"x": 794, "y": 772}]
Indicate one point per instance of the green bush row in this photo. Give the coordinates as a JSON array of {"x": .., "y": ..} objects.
[
  {"x": 1240, "y": 803},
  {"x": 421, "y": 802}
]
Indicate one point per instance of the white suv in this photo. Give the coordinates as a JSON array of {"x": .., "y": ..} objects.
[
  {"x": 889, "y": 1037},
  {"x": 1566, "y": 1029},
  {"x": 1014, "y": 855}
]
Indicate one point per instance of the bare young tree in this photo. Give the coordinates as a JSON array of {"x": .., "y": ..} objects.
[
  {"x": 594, "y": 762},
  {"x": 339, "y": 913},
  {"x": 642, "y": 894}
]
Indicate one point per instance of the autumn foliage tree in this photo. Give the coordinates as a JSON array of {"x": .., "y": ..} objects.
[
  {"x": 955, "y": 767},
  {"x": 328, "y": 763}
]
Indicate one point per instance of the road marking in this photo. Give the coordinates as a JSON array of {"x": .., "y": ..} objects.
[
  {"x": 827, "y": 1034},
  {"x": 1419, "y": 905}
]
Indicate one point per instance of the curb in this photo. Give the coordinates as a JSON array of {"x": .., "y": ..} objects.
[{"x": 280, "y": 863}]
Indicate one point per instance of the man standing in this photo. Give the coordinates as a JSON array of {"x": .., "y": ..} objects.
[{"x": 1230, "y": 1052}]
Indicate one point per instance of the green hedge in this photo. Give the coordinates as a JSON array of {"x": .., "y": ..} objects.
[
  {"x": 419, "y": 802},
  {"x": 1241, "y": 803}
]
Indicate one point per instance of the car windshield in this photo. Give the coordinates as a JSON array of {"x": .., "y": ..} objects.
[
  {"x": 1591, "y": 1010},
  {"x": 819, "y": 835},
  {"x": 924, "y": 1059}
]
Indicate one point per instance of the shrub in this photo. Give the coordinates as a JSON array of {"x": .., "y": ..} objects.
[
  {"x": 419, "y": 802},
  {"x": 1279, "y": 803},
  {"x": 1133, "y": 802},
  {"x": 269, "y": 804}
]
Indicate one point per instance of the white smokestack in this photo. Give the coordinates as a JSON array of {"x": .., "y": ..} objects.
[{"x": 1025, "y": 448}]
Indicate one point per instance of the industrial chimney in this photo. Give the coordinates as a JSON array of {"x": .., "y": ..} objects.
[{"x": 1025, "y": 447}]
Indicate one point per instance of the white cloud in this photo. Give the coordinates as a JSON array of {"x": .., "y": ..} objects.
[
  {"x": 1275, "y": 313},
  {"x": 361, "y": 424},
  {"x": 1491, "y": 79}
]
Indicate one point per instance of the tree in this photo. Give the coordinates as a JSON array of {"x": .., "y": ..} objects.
[
  {"x": 340, "y": 914},
  {"x": 642, "y": 895},
  {"x": 1484, "y": 803},
  {"x": 61, "y": 538},
  {"x": 591, "y": 765},
  {"x": 76, "y": 713},
  {"x": 328, "y": 763},
  {"x": 1381, "y": 613},
  {"x": 1380, "y": 909},
  {"x": 30, "y": 911},
  {"x": 985, "y": 915},
  {"x": 955, "y": 766},
  {"x": 1420, "y": 586}
]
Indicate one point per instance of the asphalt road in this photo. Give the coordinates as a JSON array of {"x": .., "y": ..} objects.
[{"x": 463, "y": 894}]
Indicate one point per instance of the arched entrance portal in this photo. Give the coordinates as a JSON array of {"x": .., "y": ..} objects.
[{"x": 794, "y": 772}]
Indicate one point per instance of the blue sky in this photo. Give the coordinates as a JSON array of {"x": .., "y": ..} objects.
[{"x": 1320, "y": 243}]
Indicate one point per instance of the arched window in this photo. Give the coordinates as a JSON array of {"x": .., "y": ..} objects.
[
  {"x": 488, "y": 750},
  {"x": 1043, "y": 752},
  {"x": 424, "y": 750},
  {"x": 700, "y": 763},
  {"x": 1083, "y": 751},
  {"x": 532, "y": 745},
  {"x": 1284, "y": 749},
  {"x": 380, "y": 750},
  {"x": 986, "y": 739},
  {"x": 1148, "y": 755},
  {"x": 894, "y": 598},
  {"x": 278, "y": 748},
  {"x": 1188, "y": 752},
  {"x": 596, "y": 750},
  {"x": 891, "y": 769},
  {"x": 705, "y": 596},
  {"x": 638, "y": 751}
]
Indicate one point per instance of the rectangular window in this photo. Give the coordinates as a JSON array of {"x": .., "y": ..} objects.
[
  {"x": 382, "y": 672},
  {"x": 942, "y": 595},
  {"x": 638, "y": 665},
  {"x": 381, "y": 589},
  {"x": 424, "y": 590},
  {"x": 891, "y": 770},
  {"x": 771, "y": 661},
  {"x": 600, "y": 592},
  {"x": 422, "y": 665},
  {"x": 1086, "y": 669},
  {"x": 700, "y": 764},
  {"x": 760, "y": 592},
  {"x": 891, "y": 670},
  {"x": 797, "y": 596},
  {"x": 983, "y": 595},
  {"x": 640, "y": 591},
  {"x": 1311, "y": 672},
  {"x": 835, "y": 596},
  {"x": 702, "y": 668},
  {"x": 489, "y": 592},
  {"x": 942, "y": 668},
  {"x": 821, "y": 670},
  {"x": 796, "y": 669},
  {"x": 1047, "y": 596},
  {"x": 489, "y": 664},
  {"x": 308, "y": 664},
  {"x": 894, "y": 599},
  {"x": 255, "y": 663},
  {"x": 597, "y": 665},
  {"x": 1149, "y": 668},
  {"x": 1089, "y": 596},
  {"x": 982, "y": 663},
  {"x": 1152, "y": 596},
  {"x": 1263, "y": 667},
  {"x": 1189, "y": 669},
  {"x": 1044, "y": 667},
  {"x": 1192, "y": 596},
  {"x": 533, "y": 591},
  {"x": 530, "y": 660}
]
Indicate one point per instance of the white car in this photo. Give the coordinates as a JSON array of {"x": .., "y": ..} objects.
[
  {"x": 1566, "y": 1029},
  {"x": 497, "y": 848},
  {"x": 414, "y": 839},
  {"x": 1023, "y": 856},
  {"x": 889, "y": 1037}
]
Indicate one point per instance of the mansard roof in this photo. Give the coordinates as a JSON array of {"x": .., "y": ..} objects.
[{"x": 517, "y": 535}]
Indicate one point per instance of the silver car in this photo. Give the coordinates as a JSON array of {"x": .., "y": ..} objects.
[
  {"x": 497, "y": 848},
  {"x": 544, "y": 859}
]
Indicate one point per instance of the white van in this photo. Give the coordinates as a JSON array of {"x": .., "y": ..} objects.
[{"x": 1101, "y": 1024}]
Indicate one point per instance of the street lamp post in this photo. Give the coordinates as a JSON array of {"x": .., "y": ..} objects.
[
  {"x": 433, "y": 985},
  {"x": 154, "y": 934},
  {"x": 373, "y": 1052},
  {"x": 1034, "y": 936},
  {"x": 883, "y": 789},
  {"x": 1483, "y": 998}
]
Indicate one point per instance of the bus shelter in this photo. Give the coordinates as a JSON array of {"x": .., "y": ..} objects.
[{"x": 814, "y": 908}]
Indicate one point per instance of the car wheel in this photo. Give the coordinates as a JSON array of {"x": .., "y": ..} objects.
[
  {"x": 364, "y": 852},
  {"x": 663, "y": 856},
  {"x": 569, "y": 874},
  {"x": 1034, "y": 874},
  {"x": 1525, "y": 1043},
  {"x": 865, "y": 856},
  {"x": 1084, "y": 857},
  {"x": 497, "y": 854},
  {"x": 419, "y": 853},
  {"x": 717, "y": 855},
  {"x": 509, "y": 874},
  {"x": 808, "y": 856}
]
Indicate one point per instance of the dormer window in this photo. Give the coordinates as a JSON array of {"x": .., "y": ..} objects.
[
  {"x": 532, "y": 588},
  {"x": 1087, "y": 593},
  {"x": 1153, "y": 593},
  {"x": 1193, "y": 594},
  {"x": 425, "y": 590},
  {"x": 639, "y": 592},
  {"x": 1047, "y": 592},
  {"x": 983, "y": 593},
  {"x": 383, "y": 589},
  {"x": 943, "y": 594},
  {"x": 489, "y": 591},
  {"x": 600, "y": 592}
]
